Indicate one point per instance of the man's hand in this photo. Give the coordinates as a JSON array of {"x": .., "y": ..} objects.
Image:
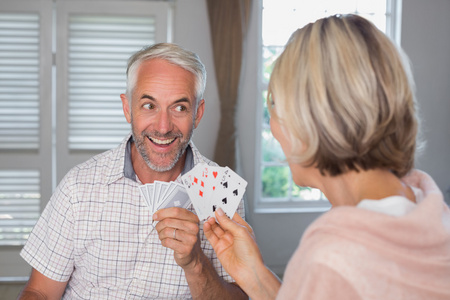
[{"x": 178, "y": 230}]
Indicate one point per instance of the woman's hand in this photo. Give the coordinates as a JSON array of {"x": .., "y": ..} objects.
[
  {"x": 236, "y": 248},
  {"x": 234, "y": 243}
]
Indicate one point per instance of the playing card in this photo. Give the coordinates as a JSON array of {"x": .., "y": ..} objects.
[
  {"x": 210, "y": 187},
  {"x": 161, "y": 194},
  {"x": 211, "y": 176},
  {"x": 143, "y": 191},
  {"x": 160, "y": 188},
  {"x": 195, "y": 194},
  {"x": 229, "y": 193},
  {"x": 149, "y": 188},
  {"x": 169, "y": 187},
  {"x": 177, "y": 197},
  {"x": 195, "y": 183}
]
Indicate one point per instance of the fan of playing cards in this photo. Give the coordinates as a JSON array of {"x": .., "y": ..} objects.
[
  {"x": 207, "y": 187},
  {"x": 160, "y": 194},
  {"x": 211, "y": 187}
]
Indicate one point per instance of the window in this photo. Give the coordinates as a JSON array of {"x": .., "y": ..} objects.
[
  {"x": 62, "y": 68},
  {"x": 276, "y": 185},
  {"x": 19, "y": 73},
  {"x": 25, "y": 119},
  {"x": 99, "y": 47}
]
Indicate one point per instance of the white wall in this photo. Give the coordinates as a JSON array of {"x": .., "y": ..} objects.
[
  {"x": 192, "y": 32},
  {"x": 426, "y": 40}
]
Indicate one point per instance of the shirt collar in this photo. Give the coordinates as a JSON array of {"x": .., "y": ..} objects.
[{"x": 128, "y": 170}]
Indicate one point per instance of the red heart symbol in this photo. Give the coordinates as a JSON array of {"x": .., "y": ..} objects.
[{"x": 215, "y": 174}]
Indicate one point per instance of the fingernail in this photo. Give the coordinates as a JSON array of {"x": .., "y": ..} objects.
[
  {"x": 220, "y": 211},
  {"x": 155, "y": 217}
]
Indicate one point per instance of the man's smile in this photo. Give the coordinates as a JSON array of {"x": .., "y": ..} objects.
[{"x": 163, "y": 142}]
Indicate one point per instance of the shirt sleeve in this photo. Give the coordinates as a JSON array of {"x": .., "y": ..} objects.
[{"x": 49, "y": 248}]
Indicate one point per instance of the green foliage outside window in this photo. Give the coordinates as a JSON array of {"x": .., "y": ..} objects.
[
  {"x": 275, "y": 175},
  {"x": 275, "y": 182}
]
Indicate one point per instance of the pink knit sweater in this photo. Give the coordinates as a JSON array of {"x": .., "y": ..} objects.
[{"x": 354, "y": 253}]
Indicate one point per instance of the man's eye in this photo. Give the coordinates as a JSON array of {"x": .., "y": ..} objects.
[
  {"x": 149, "y": 106},
  {"x": 180, "y": 108}
]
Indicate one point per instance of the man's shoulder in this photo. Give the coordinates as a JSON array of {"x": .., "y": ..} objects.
[
  {"x": 106, "y": 159},
  {"x": 107, "y": 162}
]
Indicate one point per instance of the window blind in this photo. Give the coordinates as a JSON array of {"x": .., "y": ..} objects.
[
  {"x": 99, "y": 47},
  {"x": 19, "y": 81},
  {"x": 19, "y": 205}
]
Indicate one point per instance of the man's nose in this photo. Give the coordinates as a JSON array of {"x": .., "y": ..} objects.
[{"x": 164, "y": 122}]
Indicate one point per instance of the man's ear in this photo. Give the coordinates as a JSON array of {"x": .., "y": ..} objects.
[
  {"x": 126, "y": 107},
  {"x": 200, "y": 111}
]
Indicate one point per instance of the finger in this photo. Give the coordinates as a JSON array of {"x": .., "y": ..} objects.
[
  {"x": 217, "y": 230},
  {"x": 208, "y": 226},
  {"x": 167, "y": 225},
  {"x": 169, "y": 236},
  {"x": 177, "y": 213},
  {"x": 209, "y": 233},
  {"x": 226, "y": 223},
  {"x": 237, "y": 218},
  {"x": 177, "y": 244},
  {"x": 213, "y": 228}
]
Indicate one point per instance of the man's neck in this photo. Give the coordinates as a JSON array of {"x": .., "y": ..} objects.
[{"x": 147, "y": 175}]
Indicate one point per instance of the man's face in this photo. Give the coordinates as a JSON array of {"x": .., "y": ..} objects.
[{"x": 163, "y": 113}]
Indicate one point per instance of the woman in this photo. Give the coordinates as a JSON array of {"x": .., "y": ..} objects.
[{"x": 343, "y": 111}]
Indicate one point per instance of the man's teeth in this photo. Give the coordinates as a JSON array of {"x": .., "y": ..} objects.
[{"x": 162, "y": 142}]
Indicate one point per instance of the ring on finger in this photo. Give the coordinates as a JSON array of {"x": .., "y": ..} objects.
[{"x": 175, "y": 234}]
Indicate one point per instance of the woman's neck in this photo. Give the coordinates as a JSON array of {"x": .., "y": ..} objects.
[{"x": 352, "y": 187}]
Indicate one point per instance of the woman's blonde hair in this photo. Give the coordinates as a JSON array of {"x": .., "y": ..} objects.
[{"x": 343, "y": 92}]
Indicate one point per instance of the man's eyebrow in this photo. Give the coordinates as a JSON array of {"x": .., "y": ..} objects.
[
  {"x": 145, "y": 96},
  {"x": 184, "y": 99},
  {"x": 181, "y": 100}
]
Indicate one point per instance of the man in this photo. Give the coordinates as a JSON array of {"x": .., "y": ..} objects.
[{"x": 96, "y": 239}]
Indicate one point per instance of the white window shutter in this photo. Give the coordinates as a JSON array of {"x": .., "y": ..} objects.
[
  {"x": 19, "y": 80},
  {"x": 25, "y": 124},
  {"x": 93, "y": 42},
  {"x": 99, "y": 47},
  {"x": 19, "y": 205},
  {"x": 93, "y": 47}
]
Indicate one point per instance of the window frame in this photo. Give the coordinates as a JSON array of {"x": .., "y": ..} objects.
[
  {"x": 37, "y": 159},
  {"x": 289, "y": 205}
]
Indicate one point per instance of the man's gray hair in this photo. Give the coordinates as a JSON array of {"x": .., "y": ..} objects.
[{"x": 174, "y": 54}]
